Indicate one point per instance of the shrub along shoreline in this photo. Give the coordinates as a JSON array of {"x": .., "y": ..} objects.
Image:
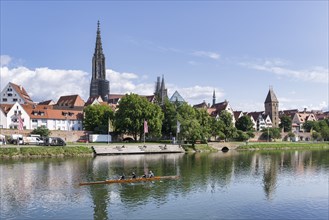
[
  {"x": 284, "y": 146},
  {"x": 13, "y": 152}
]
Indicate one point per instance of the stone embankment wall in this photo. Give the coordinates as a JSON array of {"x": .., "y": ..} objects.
[{"x": 68, "y": 136}]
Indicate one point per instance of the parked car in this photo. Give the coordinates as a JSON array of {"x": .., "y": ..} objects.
[{"x": 54, "y": 141}]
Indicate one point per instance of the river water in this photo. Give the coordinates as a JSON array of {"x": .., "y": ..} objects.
[{"x": 232, "y": 185}]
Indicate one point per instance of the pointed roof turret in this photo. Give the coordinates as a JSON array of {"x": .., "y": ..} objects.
[
  {"x": 271, "y": 97},
  {"x": 163, "y": 84},
  {"x": 98, "y": 47}
]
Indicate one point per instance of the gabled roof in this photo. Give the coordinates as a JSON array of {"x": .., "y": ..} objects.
[
  {"x": 237, "y": 114},
  {"x": 115, "y": 98},
  {"x": 271, "y": 97},
  {"x": 255, "y": 115},
  {"x": 22, "y": 92},
  {"x": 45, "y": 112},
  {"x": 176, "y": 97},
  {"x": 47, "y": 102},
  {"x": 6, "y": 108},
  {"x": 70, "y": 101},
  {"x": 220, "y": 106},
  {"x": 201, "y": 105},
  {"x": 303, "y": 117},
  {"x": 94, "y": 99}
]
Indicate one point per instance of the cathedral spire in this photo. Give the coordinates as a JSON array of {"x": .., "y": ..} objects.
[
  {"x": 214, "y": 98},
  {"x": 99, "y": 86}
]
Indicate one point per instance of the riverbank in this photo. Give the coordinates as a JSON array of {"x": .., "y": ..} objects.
[
  {"x": 283, "y": 146},
  {"x": 17, "y": 152}
]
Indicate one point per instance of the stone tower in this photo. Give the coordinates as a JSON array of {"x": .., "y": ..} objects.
[
  {"x": 272, "y": 108},
  {"x": 99, "y": 86},
  {"x": 161, "y": 93}
]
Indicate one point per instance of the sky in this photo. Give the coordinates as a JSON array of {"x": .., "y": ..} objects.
[{"x": 239, "y": 49}]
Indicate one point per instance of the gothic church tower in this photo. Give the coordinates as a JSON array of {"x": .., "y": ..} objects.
[
  {"x": 272, "y": 108},
  {"x": 99, "y": 86}
]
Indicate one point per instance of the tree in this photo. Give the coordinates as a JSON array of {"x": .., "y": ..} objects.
[
  {"x": 133, "y": 111},
  {"x": 271, "y": 133},
  {"x": 311, "y": 125},
  {"x": 228, "y": 128},
  {"x": 244, "y": 123},
  {"x": 217, "y": 127},
  {"x": 285, "y": 123},
  {"x": 97, "y": 118},
  {"x": 205, "y": 122},
  {"x": 241, "y": 136},
  {"x": 42, "y": 131},
  {"x": 169, "y": 122},
  {"x": 190, "y": 126}
]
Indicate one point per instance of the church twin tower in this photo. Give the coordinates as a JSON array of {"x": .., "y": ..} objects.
[{"x": 99, "y": 86}]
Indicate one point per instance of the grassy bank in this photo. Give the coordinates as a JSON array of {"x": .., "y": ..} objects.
[
  {"x": 283, "y": 145},
  {"x": 45, "y": 151}
]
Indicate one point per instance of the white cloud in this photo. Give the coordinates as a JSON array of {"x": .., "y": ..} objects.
[
  {"x": 44, "y": 83},
  {"x": 207, "y": 54},
  {"x": 316, "y": 74},
  {"x": 5, "y": 60}
]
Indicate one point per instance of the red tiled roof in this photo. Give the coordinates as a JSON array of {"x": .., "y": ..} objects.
[
  {"x": 6, "y": 108},
  {"x": 71, "y": 101},
  {"x": 47, "y": 112},
  {"x": 201, "y": 105},
  {"x": 22, "y": 92}
]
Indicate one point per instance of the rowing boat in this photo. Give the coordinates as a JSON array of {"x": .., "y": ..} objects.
[{"x": 140, "y": 179}]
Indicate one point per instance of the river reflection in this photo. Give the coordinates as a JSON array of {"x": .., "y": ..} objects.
[{"x": 232, "y": 185}]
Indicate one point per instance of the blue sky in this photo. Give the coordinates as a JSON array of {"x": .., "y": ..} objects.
[{"x": 237, "y": 48}]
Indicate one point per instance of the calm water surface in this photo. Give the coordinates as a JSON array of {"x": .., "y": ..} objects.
[{"x": 233, "y": 185}]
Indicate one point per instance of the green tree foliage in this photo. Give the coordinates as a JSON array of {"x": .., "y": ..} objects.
[
  {"x": 42, "y": 131},
  {"x": 271, "y": 133},
  {"x": 241, "y": 136},
  {"x": 285, "y": 123},
  {"x": 97, "y": 118},
  {"x": 205, "y": 122},
  {"x": 319, "y": 129},
  {"x": 133, "y": 110},
  {"x": 190, "y": 126},
  {"x": 311, "y": 125},
  {"x": 217, "y": 127},
  {"x": 244, "y": 123},
  {"x": 228, "y": 129},
  {"x": 169, "y": 123}
]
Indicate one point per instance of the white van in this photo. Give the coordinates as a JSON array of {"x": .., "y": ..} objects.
[{"x": 16, "y": 139}]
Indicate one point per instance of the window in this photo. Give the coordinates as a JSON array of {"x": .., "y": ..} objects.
[
  {"x": 9, "y": 94},
  {"x": 9, "y": 89},
  {"x": 44, "y": 121},
  {"x": 4, "y": 100},
  {"x": 14, "y": 100},
  {"x": 34, "y": 120}
]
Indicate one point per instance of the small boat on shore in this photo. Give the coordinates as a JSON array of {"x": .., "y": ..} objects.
[{"x": 139, "y": 179}]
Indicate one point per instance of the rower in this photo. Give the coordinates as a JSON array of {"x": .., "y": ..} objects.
[
  {"x": 133, "y": 175},
  {"x": 151, "y": 174}
]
